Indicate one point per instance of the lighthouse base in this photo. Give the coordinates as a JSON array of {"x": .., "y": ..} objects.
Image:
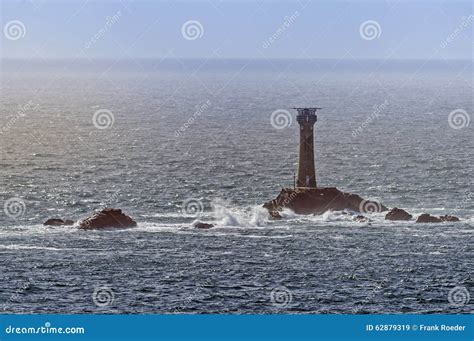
[{"x": 305, "y": 200}]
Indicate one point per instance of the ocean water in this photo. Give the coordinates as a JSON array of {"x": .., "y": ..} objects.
[{"x": 175, "y": 141}]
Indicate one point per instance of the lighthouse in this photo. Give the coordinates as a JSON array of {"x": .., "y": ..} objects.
[
  {"x": 306, "y": 118},
  {"x": 306, "y": 197}
]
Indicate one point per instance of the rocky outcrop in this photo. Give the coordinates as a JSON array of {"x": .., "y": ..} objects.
[
  {"x": 398, "y": 214},
  {"x": 448, "y": 218},
  {"x": 107, "y": 218},
  {"x": 427, "y": 218},
  {"x": 58, "y": 222},
  {"x": 320, "y": 200},
  {"x": 199, "y": 225}
]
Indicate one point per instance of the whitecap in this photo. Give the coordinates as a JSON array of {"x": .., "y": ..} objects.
[
  {"x": 28, "y": 247},
  {"x": 224, "y": 215}
]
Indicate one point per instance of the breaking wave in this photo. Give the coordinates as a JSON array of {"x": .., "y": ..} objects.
[{"x": 251, "y": 217}]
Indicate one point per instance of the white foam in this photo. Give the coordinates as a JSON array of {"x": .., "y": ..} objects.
[
  {"x": 256, "y": 216},
  {"x": 222, "y": 233},
  {"x": 28, "y": 247},
  {"x": 288, "y": 214},
  {"x": 168, "y": 215},
  {"x": 469, "y": 221},
  {"x": 154, "y": 227}
]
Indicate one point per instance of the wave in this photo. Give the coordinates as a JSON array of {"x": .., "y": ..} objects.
[
  {"x": 167, "y": 215},
  {"x": 224, "y": 214},
  {"x": 470, "y": 221},
  {"x": 256, "y": 216},
  {"x": 27, "y": 247},
  {"x": 36, "y": 229}
]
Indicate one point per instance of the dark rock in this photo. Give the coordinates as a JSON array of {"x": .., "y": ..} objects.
[
  {"x": 58, "y": 222},
  {"x": 448, "y": 218},
  {"x": 360, "y": 218},
  {"x": 108, "y": 217},
  {"x": 398, "y": 214},
  {"x": 427, "y": 218},
  {"x": 200, "y": 225},
  {"x": 275, "y": 215},
  {"x": 320, "y": 200}
]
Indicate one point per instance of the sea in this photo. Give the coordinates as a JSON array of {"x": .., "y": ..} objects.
[{"x": 173, "y": 142}]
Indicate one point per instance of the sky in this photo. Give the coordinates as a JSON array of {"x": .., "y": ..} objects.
[{"x": 397, "y": 29}]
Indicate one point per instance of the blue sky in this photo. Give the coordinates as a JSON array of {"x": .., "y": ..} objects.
[{"x": 244, "y": 29}]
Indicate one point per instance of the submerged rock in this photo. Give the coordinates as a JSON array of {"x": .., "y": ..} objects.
[
  {"x": 360, "y": 218},
  {"x": 448, "y": 218},
  {"x": 320, "y": 200},
  {"x": 199, "y": 225},
  {"x": 398, "y": 214},
  {"x": 108, "y": 217},
  {"x": 275, "y": 215},
  {"x": 58, "y": 222},
  {"x": 427, "y": 218}
]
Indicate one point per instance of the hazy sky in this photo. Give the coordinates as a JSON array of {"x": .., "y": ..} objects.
[{"x": 238, "y": 29}]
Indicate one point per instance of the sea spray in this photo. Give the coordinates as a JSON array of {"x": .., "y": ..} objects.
[
  {"x": 259, "y": 216},
  {"x": 226, "y": 215},
  {"x": 286, "y": 213}
]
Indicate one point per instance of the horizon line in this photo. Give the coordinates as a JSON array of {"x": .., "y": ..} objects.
[{"x": 233, "y": 59}]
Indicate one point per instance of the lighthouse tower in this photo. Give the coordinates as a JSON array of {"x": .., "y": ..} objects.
[{"x": 306, "y": 118}]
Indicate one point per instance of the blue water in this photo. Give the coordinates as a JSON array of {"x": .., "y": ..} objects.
[{"x": 193, "y": 140}]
